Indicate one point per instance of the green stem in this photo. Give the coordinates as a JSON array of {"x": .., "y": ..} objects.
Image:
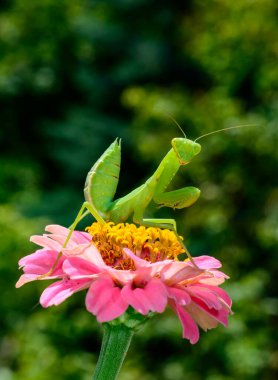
[{"x": 115, "y": 343}]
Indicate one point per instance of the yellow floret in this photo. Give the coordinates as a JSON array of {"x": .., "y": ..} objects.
[{"x": 150, "y": 243}]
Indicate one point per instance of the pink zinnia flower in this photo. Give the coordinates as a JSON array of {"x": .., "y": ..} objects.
[{"x": 127, "y": 266}]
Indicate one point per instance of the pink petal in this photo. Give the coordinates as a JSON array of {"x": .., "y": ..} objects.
[
  {"x": 76, "y": 239},
  {"x": 92, "y": 254},
  {"x": 60, "y": 239},
  {"x": 25, "y": 278},
  {"x": 61, "y": 290},
  {"x": 203, "y": 319},
  {"x": 46, "y": 242},
  {"x": 189, "y": 327},
  {"x": 206, "y": 262},
  {"x": 59, "y": 234},
  {"x": 120, "y": 275},
  {"x": 80, "y": 237},
  {"x": 177, "y": 272},
  {"x": 180, "y": 295},
  {"x": 217, "y": 278},
  {"x": 154, "y": 268},
  {"x": 136, "y": 298},
  {"x": 75, "y": 250},
  {"x": 77, "y": 268},
  {"x": 38, "y": 264},
  {"x": 157, "y": 295},
  {"x": 139, "y": 263},
  {"x": 219, "y": 315},
  {"x": 142, "y": 277},
  {"x": 221, "y": 294},
  {"x": 57, "y": 229},
  {"x": 153, "y": 297},
  {"x": 205, "y": 295},
  {"x": 41, "y": 262},
  {"x": 105, "y": 301}
]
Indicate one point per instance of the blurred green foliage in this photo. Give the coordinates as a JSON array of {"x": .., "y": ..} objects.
[{"x": 73, "y": 77}]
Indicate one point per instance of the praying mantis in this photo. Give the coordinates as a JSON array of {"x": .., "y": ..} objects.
[{"x": 102, "y": 180}]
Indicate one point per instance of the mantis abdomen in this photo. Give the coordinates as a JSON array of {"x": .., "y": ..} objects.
[{"x": 102, "y": 180}]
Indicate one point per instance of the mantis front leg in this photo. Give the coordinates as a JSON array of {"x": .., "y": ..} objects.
[{"x": 180, "y": 198}]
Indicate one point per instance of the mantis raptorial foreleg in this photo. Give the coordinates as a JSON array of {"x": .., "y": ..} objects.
[{"x": 180, "y": 198}]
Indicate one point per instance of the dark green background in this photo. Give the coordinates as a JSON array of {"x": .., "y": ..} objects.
[{"x": 74, "y": 75}]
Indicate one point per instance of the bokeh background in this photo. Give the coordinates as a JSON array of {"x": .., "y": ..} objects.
[{"x": 74, "y": 75}]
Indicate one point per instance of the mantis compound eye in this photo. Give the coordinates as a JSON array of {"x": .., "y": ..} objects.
[{"x": 197, "y": 148}]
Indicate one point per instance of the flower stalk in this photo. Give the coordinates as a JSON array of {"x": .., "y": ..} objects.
[{"x": 115, "y": 344}]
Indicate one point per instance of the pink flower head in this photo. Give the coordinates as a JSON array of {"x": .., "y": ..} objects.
[{"x": 126, "y": 266}]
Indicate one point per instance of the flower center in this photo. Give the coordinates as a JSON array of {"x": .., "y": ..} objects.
[{"x": 149, "y": 243}]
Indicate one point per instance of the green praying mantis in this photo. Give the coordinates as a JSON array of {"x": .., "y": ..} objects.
[{"x": 102, "y": 180}]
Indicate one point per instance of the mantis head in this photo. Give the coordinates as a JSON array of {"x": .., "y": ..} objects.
[{"x": 185, "y": 149}]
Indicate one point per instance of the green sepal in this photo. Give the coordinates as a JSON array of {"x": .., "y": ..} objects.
[{"x": 131, "y": 319}]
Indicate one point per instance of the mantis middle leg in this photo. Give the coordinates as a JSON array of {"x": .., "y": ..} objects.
[{"x": 169, "y": 224}]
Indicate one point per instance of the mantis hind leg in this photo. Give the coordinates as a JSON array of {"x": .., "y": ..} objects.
[
  {"x": 90, "y": 209},
  {"x": 86, "y": 208}
]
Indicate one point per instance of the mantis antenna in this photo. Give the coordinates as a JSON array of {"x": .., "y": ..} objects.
[
  {"x": 226, "y": 129},
  {"x": 177, "y": 124}
]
